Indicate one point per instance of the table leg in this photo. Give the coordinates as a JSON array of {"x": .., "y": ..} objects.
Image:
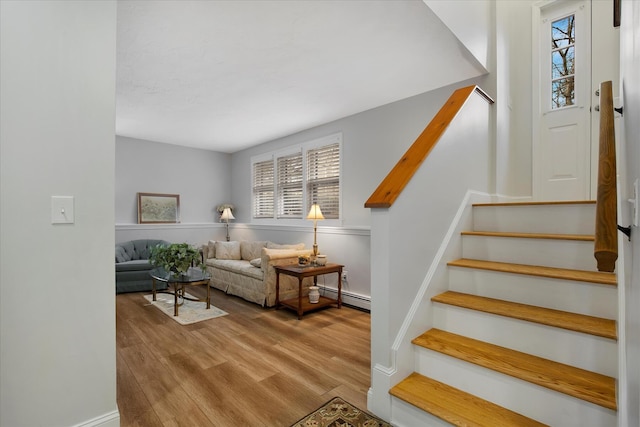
[
  {"x": 154, "y": 288},
  {"x": 176, "y": 289},
  {"x": 208, "y": 295},
  {"x": 340, "y": 288},
  {"x": 277, "y": 289},
  {"x": 299, "y": 298}
]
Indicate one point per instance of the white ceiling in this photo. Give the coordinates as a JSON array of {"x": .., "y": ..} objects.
[{"x": 227, "y": 75}]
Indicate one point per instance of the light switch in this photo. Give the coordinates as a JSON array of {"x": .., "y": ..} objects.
[{"x": 62, "y": 210}]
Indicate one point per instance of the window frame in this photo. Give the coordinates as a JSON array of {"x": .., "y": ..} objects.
[{"x": 301, "y": 148}]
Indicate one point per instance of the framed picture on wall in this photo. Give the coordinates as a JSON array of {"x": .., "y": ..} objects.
[{"x": 154, "y": 208}]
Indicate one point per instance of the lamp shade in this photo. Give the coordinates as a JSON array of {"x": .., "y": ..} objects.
[
  {"x": 227, "y": 215},
  {"x": 315, "y": 213}
]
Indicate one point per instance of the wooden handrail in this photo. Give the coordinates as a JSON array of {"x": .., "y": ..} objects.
[
  {"x": 391, "y": 187},
  {"x": 606, "y": 238}
]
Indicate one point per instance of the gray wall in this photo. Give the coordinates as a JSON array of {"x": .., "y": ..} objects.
[
  {"x": 201, "y": 177},
  {"x": 57, "y": 302},
  {"x": 373, "y": 142}
]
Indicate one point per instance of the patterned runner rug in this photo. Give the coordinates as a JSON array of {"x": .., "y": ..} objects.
[
  {"x": 338, "y": 413},
  {"x": 189, "y": 312}
]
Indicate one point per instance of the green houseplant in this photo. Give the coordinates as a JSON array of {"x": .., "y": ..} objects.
[{"x": 176, "y": 258}]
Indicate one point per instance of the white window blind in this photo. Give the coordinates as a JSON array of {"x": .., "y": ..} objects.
[
  {"x": 323, "y": 179},
  {"x": 287, "y": 182},
  {"x": 263, "y": 180},
  {"x": 290, "y": 186}
]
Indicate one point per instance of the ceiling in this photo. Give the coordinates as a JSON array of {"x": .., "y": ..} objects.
[{"x": 228, "y": 75}]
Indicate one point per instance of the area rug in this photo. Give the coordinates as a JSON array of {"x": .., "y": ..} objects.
[
  {"x": 339, "y": 413},
  {"x": 189, "y": 312}
]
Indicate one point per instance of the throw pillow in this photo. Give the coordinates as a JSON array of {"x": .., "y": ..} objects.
[
  {"x": 251, "y": 250},
  {"x": 256, "y": 262},
  {"x": 211, "y": 249},
  {"x": 228, "y": 250},
  {"x": 296, "y": 247}
]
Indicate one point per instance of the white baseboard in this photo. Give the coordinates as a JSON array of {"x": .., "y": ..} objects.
[
  {"x": 110, "y": 419},
  {"x": 348, "y": 298}
]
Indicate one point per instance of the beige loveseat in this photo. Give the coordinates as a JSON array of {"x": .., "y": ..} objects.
[{"x": 245, "y": 269}]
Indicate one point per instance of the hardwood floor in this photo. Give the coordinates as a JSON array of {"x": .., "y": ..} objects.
[{"x": 254, "y": 367}]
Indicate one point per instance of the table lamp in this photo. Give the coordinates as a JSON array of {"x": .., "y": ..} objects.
[
  {"x": 315, "y": 214},
  {"x": 226, "y": 216}
]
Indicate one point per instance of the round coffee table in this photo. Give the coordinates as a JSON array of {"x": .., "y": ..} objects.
[{"x": 193, "y": 277}]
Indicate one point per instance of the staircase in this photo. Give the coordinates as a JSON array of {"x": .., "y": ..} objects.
[{"x": 525, "y": 335}]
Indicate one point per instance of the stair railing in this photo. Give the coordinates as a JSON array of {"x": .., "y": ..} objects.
[
  {"x": 393, "y": 184},
  {"x": 606, "y": 237}
]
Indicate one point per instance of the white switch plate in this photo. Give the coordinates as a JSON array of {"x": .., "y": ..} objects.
[{"x": 62, "y": 210}]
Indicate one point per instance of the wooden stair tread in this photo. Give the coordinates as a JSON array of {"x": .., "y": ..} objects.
[
  {"x": 578, "y": 237},
  {"x": 541, "y": 271},
  {"x": 597, "y": 326},
  {"x": 456, "y": 406},
  {"x": 559, "y": 202},
  {"x": 586, "y": 385}
]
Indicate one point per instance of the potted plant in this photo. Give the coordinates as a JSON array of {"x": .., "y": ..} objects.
[{"x": 176, "y": 258}]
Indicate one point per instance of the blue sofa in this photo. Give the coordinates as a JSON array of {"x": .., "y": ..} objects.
[{"x": 133, "y": 266}]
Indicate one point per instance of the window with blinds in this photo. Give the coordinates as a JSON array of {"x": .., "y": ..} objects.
[
  {"x": 290, "y": 186},
  {"x": 287, "y": 183},
  {"x": 323, "y": 179},
  {"x": 263, "y": 180}
]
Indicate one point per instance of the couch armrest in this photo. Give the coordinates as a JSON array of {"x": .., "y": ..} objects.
[{"x": 288, "y": 284}]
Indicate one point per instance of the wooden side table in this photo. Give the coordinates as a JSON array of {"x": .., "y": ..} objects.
[{"x": 302, "y": 305}]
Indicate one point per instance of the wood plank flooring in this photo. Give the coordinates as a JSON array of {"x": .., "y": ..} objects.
[{"x": 254, "y": 367}]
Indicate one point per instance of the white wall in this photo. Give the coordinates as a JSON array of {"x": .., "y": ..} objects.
[
  {"x": 201, "y": 177},
  {"x": 630, "y": 73},
  {"x": 57, "y": 304},
  {"x": 512, "y": 74},
  {"x": 470, "y": 22},
  {"x": 498, "y": 34}
]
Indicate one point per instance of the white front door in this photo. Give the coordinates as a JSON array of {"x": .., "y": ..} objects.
[{"x": 562, "y": 147}]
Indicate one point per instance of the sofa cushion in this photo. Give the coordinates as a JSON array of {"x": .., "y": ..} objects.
[
  {"x": 228, "y": 250},
  {"x": 251, "y": 250},
  {"x": 134, "y": 265},
  {"x": 237, "y": 266},
  {"x": 256, "y": 262},
  {"x": 297, "y": 246}
]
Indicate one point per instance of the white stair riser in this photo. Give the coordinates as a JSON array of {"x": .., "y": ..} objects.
[
  {"x": 592, "y": 299},
  {"x": 577, "y": 255},
  {"x": 558, "y": 219},
  {"x": 542, "y": 404},
  {"x": 577, "y": 349},
  {"x": 404, "y": 414}
]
